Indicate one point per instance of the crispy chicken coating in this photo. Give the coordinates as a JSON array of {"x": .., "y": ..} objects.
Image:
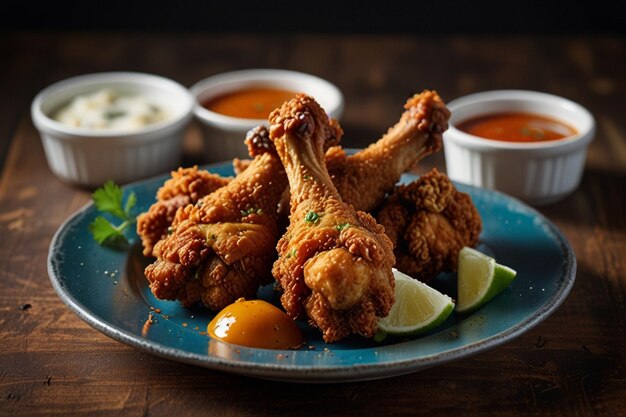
[
  {"x": 187, "y": 186},
  {"x": 222, "y": 248},
  {"x": 240, "y": 165},
  {"x": 334, "y": 262},
  {"x": 429, "y": 222},
  {"x": 366, "y": 177}
]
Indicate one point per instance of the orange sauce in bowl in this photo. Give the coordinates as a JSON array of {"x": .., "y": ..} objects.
[
  {"x": 250, "y": 103},
  {"x": 255, "y": 323},
  {"x": 517, "y": 127}
]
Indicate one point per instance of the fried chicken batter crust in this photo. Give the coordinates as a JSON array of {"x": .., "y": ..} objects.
[
  {"x": 222, "y": 248},
  {"x": 334, "y": 266},
  {"x": 429, "y": 222},
  {"x": 364, "y": 179},
  {"x": 187, "y": 186}
]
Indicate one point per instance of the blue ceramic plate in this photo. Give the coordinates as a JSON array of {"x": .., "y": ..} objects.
[{"x": 107, "y": 289}]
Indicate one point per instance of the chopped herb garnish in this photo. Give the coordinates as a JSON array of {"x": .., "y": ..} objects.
[
  {"x": 170, "y": 230},
  {"x": 114, "y": 114},
  {"x": 525, "y": 131},
  {"x": 536, "y": 134},
  {"x": 251, "y": 211},
  {"x": 291, "y": 253},
  {"x": 342, "y": 226},
  {"x": 312, "y": 217},
  {"x": 306, "y": 177},
  {"x": 108, "y": 199}
]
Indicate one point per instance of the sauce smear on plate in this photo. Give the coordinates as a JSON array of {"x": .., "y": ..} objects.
[
  {"x": 517, "y": 127},
  {"x": 255, "y": 323},
  {"x": 251, "y": 103}
]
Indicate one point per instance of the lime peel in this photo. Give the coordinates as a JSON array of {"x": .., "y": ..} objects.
[
  {"x": 417, "y": 310},
  {"x": 480, "y": 279}
]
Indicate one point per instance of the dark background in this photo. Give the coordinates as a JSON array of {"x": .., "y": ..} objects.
[{"x": 323, "y": 16}]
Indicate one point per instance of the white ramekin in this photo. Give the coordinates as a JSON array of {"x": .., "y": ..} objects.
[
  {"x": 90, "y": 157},
  {"x": 224, "y": 135},
  {"x": 538, "y": 173}
]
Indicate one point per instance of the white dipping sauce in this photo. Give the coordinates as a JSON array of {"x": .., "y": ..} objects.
[{"x": 108, "y": 109}]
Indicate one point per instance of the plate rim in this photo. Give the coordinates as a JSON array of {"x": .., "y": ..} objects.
[{"x": 314, "y": 373}]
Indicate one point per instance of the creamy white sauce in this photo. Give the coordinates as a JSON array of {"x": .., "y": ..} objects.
[{"x": 108, "y": 109}]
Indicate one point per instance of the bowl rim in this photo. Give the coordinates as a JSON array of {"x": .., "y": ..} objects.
[
  {"x": 46, "y": 123},
  {"x": 582, "y": 138},
  {"x": 260, "y": 75}
]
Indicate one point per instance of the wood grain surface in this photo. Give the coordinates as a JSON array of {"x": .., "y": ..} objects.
[{"x": 573, "y": 364}]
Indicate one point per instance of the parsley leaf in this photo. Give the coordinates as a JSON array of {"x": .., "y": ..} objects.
[
  {"x": 104, "y": 232},
  {"x": 130, "y": 203},
  {"x": 108, "y": 199}
]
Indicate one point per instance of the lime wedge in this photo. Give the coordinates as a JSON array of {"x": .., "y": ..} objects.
[
  {"x": 480, "y": 279},
  {"x": 418, "y": 308}
]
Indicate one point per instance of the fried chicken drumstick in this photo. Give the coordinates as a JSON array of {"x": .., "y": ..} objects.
[
  {"x": 429, "y": 222},
  {"x": 334, "y": 262},
  {"x": 222, "y": 248},
  {"x": 187, "y": 186},
  {"x": 364, "y": 178}
]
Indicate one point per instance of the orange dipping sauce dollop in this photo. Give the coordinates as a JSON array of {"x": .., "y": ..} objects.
[
  {"x": 517, "y": 127},
  {"x": 255, "y": 323}
]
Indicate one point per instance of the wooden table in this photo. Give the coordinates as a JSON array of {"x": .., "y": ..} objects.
[{"x": 573, "y": 364}]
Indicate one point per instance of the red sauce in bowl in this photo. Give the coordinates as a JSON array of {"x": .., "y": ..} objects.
[
  {"x": 517, "y": 127},
  {"x": 250, "y": 103}
]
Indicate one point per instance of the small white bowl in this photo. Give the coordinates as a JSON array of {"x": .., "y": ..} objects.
[
  {"x": 89, "y": 157},
  {"x": 539, "y": 172},
  {"x": 224, "y": 135}
]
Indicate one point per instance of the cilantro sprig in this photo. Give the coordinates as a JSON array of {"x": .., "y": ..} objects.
[{"x": 109, "y": 199}]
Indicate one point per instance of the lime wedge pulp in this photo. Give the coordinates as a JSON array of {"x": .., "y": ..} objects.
[
  {"x": 480, "y": 279},
  {"x": 418, "y": 308}
]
